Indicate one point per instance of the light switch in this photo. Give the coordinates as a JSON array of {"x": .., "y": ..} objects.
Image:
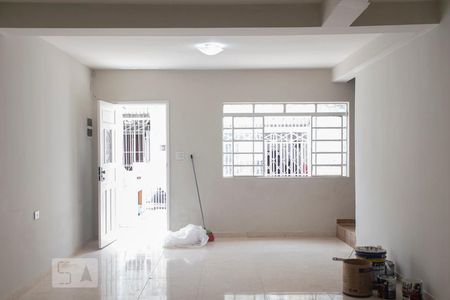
[
  {"x": 36, "y": 215},
  {"x": 179, "y": 155}
]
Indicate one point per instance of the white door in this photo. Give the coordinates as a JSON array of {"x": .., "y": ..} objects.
[{"x": 107, "y": 174}]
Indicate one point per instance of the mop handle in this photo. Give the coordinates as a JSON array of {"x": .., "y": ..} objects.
[{"x": 198, "y": 193}]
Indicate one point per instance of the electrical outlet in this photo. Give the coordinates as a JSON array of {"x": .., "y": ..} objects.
[{"x": 36, "y": 215}]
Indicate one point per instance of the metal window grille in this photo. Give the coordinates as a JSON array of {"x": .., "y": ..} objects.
[
  {"x": 136, "y": 140},
  {"x": 285, "y": 139},
  {"x": 158, "y": 200}
]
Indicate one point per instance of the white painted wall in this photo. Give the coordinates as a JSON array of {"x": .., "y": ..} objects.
[
  {"x": 45, "y": 159},
  {"x": 240, "y": 205},
  {"x": 402, "y": 157}
]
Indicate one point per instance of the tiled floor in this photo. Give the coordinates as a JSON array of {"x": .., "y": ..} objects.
[{"x": 228, "y": 269}]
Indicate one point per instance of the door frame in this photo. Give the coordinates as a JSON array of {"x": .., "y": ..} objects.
[{"x": 168, "y": 148}]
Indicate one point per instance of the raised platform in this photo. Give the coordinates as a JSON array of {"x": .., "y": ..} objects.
[{"x": 345, "y": 231}]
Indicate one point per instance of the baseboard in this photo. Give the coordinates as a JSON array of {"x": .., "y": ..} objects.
[
  {"x": 273, "y": 234},
  {"x": 17, "y": 294}
]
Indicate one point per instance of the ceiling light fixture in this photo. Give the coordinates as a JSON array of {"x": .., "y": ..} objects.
[{"x": 210, "y": 48}]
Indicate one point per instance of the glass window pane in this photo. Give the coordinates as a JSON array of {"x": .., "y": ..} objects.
[
  {"x": 243, "y": 147},
  {"x": 227, "y": 122},
  {"x": 227, "y": 171},
  {"x": 228, "y": 147},
  {"x": 327, "y": 121},
  {"x": 332, "y": 107},
  {"x": 279, "y": 123},
  {"x": 228, "y": 159},
  {"x": 328, "y": 159},
  {"x": 258, "y": 147},
  {"x": 258, "y": 134},
  {"x": 300, "y": 108},
  {"x": 268, "y": 108},
  {"x": 344, "y": 121},
  {"x": 237, "y": 108},
  {"x": 243, "y": 122},
  {"x": 258, "y": 122},
  {"x": 227, "y": 135},
  {"x": 107, "y": 144},
  {"x": 322, "y": 146},
  {"x": 328, "y": 134},
  {"x": 243, "y": 134},
  {"x": 330, "y": 171},
  {"x": 259, "y": 171},
  {"x": 258, "y": 159},
  {"x": 243, "y": 159},
  {"x": 243, "y": 171}
]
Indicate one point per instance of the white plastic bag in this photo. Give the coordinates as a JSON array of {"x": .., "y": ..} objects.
[{"x": 187, "y": 237}]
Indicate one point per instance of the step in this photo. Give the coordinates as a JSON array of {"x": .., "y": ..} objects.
[{"x": 345, "y": 231}]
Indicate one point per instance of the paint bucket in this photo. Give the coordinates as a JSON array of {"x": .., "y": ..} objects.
[
  {"x": 387, "y": 285},
  {"x": 357, "y": 278},
  {"x": 412, "y": 289},
  {"x": 377, "y": 256}
]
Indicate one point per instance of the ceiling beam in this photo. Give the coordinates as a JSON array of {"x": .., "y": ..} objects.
[
  {"x": 400, "y": 13},
  {"x": 215, "y": 32},
  {"x": 82, "y": 15},
  {"x": 372, "y": 52},
  {"x": 333, "y": 14},
  {"x": 342, "y": 13}
]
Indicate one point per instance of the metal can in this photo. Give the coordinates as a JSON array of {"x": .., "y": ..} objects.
[
  {"x": 412, "y": 289},
  {"x": 386, "y": 286}
]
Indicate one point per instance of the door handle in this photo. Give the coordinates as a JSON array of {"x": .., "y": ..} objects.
[{"x": 101, "y": 174}]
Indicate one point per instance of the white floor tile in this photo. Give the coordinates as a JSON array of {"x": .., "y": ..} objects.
[{"x": 228, "y": 269}]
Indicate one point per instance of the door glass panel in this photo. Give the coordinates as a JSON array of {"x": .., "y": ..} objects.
[{"x": 108, "y": 144}]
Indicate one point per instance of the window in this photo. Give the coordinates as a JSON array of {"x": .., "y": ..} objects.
[
  {"x": 285, "y": 139},
  {"x": 136, "y": 140}
]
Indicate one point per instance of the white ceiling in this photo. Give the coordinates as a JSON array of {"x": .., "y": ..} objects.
[{"x": 241, "y": 52}]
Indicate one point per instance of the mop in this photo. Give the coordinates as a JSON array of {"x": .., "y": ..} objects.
[{"x": 209, "y": 232}]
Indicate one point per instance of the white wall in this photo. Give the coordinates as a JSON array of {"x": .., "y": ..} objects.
[
  {"x": 45, "y": 159},
  {"x": 240, "y": 205},
  {"x": 402, "y": 157}
]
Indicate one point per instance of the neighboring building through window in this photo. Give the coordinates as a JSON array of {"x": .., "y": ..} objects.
[{"x": 285, "y": 139}]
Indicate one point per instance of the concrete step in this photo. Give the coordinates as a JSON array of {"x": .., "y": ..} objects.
[{"x": 345, "y": 231}]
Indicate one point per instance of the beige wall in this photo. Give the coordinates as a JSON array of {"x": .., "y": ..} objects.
[
  {"x": 240, "y": 205},
  {"x": 45, "y": 159},
  {"x": 402, "y": 158}
]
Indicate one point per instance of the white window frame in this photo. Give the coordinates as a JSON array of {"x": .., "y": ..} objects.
[{"x": 312, "y": 153}]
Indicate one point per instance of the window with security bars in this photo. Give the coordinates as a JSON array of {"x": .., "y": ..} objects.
[
  {"x": 136, "y": 140},
  {"x": 285, "y": 139}
]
